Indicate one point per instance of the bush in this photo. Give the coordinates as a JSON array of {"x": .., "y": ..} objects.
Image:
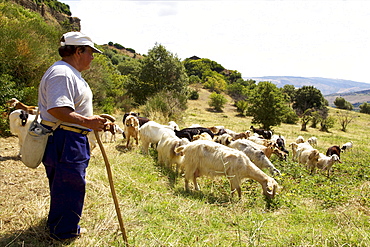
[
  {"x": 217, "y": 101},
  {"x": 242, "y": 106},
  {"x": 165, "y": 106},
  {"x": 193, "y": 94}
]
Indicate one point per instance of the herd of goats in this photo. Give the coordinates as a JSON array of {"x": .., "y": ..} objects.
[{"x": 199, "y": 151}]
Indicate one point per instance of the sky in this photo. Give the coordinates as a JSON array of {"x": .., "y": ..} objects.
[{"x": 306, "y": 38}]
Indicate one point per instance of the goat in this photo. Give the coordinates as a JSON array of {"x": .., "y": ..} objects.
[
  {"x": 191, "y": 131},
  {"x": 333, "y": 150},
  {"x": 347, "y": 146},
  {"x": 142, "y": 120},
  {"x": 224, "y": 139},
  {"x": 255, "y": 155},
  {"x": 325, "y": 163},
  {"x": 309, "y": 157},
  {"x": 19, "y": 123},
  {"x": 207, "y": 158},
  {"x": 267, "y": 134},
  {"x": 14, "y": 103},
  {"x": 298, "y": 148},
  {"x": 131, "y": 129},
  {"x": 166, "y": 146},
  {"x": 203, "y": 136},
  {"x": 267, "y": 150},
  {"x": 312, "y": 141},
  {"x": 152, "y": 132},
  {"x": 299, "y": 139},
  {"x": 113, "y": 129}
]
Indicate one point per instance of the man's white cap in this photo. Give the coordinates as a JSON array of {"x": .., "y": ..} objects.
[{"x": 77, "y": 38}]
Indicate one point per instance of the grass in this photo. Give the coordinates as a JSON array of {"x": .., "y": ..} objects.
[{"x": 310, "y": 210}]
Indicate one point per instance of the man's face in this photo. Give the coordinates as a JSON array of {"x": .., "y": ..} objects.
[{"x": 85, "y": 58}]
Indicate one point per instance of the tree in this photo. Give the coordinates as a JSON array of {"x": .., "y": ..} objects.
[
  {"x": 307, "y": 100},
  {"x": 214, "y": 82},
  {"x": 266, "y": 105},
  {"x": 289, "y": 92},
  {"x": 345, "y": 118},
  {"x": 365, "y": 108},
  {"x": 161, "y": 71},
  {"x": 341, "y": 103},
  {"x": 217, "y": 101}
]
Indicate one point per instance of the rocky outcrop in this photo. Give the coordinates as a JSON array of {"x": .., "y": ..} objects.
[{"x": 51, "y": 15}]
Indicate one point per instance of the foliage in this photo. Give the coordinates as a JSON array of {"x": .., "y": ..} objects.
[
  {"x": 193, "y": 79},
  {"x": 344, "y": 118},
  {"x": 161, "y": 71},
  {"x": 214, "y": 82},
  {"x": 241, "y": 89},
  {"x": 266, "y": 105},
  {"x": 232, "y": 76},
  {"x": 308, "y": 97},
  {"x": 242, "y": 106},
  {"x": 305, "y": 119},
  {"x": 107, "y": 85},
  {"x": 327, "y": 123},
  {"x": 307, "y": 100},
  {"x": 365, "y": 108},
  {"x": 118, "y": 46},
  {"x": 217, "y": 101},
  {"x": 341, "y": 103},
  {"x": 165, "y": 106},
  {"x": 290, "y": 117},
  {"x": 130, "y": 66},
  {"x": 289, "y": 92},
  {"x": 55, "y": 5},
  {"x": 24, "y": 55},
  {"x": 193, "y": 94},
  {"x": 199, "y": 67}
]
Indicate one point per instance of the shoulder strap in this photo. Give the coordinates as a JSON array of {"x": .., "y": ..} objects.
[{"x": 56, "y": 124}]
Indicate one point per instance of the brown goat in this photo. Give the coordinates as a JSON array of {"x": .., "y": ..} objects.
[{"x": 14, "y": 103}]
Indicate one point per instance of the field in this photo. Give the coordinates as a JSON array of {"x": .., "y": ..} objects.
[{"x": 310, "y": 210}]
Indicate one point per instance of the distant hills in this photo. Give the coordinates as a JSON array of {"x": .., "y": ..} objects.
[{"x": 354, "y": 92}]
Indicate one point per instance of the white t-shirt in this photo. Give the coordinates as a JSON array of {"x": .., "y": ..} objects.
[{"x": 62, "y": 85}]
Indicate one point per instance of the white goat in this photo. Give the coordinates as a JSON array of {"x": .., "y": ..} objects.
[
  {"x": 299, "y": 139},
  {"x": 224, "y": 139},
  {"x": 325, "y": 163},
  {"x": 207, "y": 158},
  {"x": 202, "y": 136},
  {"x": 151, "y": 132},
  {"x": 19, "y": 123},
  {"x": 347, "y": 146},
  {"x": 166, "y": 146},
  {"x": 309, "y": 158},
  {"x": 255, "y": 155},
  {"x": 298, "y": 148},
  {"x": 312, "y": 141}
]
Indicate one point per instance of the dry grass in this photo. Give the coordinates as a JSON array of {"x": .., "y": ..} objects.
[{"x": 310, "y": 210}]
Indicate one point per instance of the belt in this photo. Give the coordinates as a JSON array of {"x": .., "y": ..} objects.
[{"x": 66, "y": 127}]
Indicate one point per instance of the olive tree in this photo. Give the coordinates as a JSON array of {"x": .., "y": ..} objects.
[{"x": 266, "y": 105}]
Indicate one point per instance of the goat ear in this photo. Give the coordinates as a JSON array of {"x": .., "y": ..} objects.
[{"x": 179, "y": 150}]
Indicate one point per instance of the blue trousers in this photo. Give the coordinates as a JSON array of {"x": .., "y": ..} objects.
[{"x": 66, "y": 158}]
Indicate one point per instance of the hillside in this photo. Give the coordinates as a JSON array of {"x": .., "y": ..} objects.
[
  {"x": 311, "y": 210},
  {"x": 325, "y": 85},
  {"x": 355, "y": 98},
  {"x": 354, "y": 92}
]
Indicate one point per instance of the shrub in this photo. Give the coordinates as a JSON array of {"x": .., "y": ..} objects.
[
  {"x": 165, "y": 106},
  {"x": 193, "y": 94},
  {"x": 217, "y": 101}
]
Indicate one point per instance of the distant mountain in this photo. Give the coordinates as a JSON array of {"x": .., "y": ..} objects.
[
  {"x": 325, "y": 85},
  {"x": 354, "y": 92}
]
